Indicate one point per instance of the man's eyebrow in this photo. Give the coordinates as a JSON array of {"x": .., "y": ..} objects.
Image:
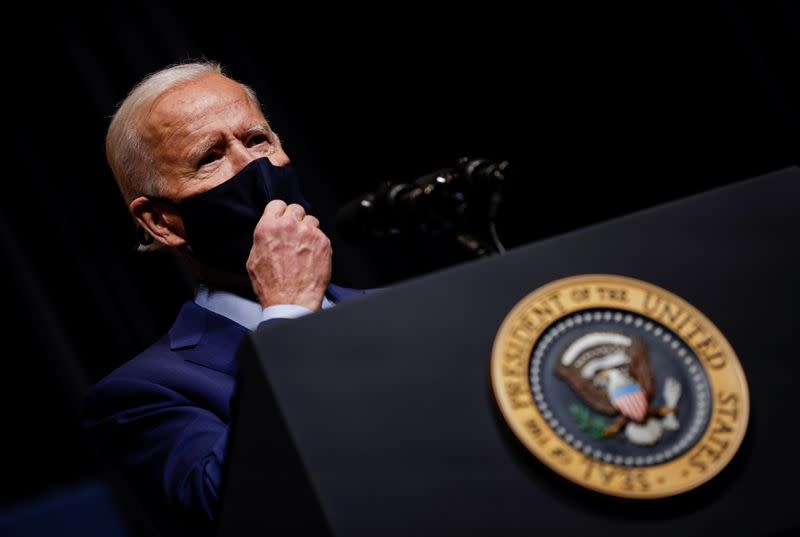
[
  {"x": 200, "y": 151},
  {"x": 261, "y": 128}
]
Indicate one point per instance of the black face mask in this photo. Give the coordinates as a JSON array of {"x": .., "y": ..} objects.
[{"x": 219, "y": 223}]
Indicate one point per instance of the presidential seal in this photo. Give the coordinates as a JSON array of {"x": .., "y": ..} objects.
[{"x": 620, "y": 386}]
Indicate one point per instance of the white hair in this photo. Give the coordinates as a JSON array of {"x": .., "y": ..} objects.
[{"x": 127, "y": 153}]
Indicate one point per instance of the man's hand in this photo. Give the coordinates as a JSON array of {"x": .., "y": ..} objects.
[{"x": 290, "y": 262}]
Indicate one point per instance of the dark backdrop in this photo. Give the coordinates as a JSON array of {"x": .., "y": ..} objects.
[{"x": 600, "y": 112}]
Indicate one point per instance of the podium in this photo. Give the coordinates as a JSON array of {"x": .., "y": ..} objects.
[{"x": 377, "y": 417}]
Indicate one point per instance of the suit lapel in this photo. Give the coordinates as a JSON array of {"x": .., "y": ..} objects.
[
  {"x": 189, "y": 326},
  {"x": 206, "y": 338}
]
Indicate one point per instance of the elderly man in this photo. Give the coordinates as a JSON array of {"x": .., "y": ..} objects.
[{"x": 203, "y": 173}]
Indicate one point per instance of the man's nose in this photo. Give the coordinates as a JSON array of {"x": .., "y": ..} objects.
[{"x": 240, "y": 156}]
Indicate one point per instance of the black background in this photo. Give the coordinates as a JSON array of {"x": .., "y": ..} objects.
[{"x": 601, "y": 111}]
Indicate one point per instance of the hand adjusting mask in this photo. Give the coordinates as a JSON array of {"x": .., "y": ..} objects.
[{"x": 220, "y": 222}]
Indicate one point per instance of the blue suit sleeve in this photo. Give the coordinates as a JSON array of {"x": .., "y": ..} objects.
[{"x": 162, "y": 441}]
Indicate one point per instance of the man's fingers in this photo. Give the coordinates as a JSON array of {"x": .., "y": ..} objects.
[
  {"x": 296, "y": 211},
  {"x": 311, "y": 221},
  {"x": 276, "y": 208}
]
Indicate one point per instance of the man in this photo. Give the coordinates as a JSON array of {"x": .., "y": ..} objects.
[{"x": 203, "y": 173}]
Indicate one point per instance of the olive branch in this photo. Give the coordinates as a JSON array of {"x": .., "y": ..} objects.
[{"x": 586, "y": 421}]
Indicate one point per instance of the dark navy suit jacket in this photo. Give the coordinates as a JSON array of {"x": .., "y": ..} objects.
[{"x": 164, "y": 416}]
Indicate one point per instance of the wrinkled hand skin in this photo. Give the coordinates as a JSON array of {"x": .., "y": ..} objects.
[{"x": 290, "y": 262}]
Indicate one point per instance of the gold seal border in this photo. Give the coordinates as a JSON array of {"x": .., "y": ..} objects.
[{"x": 510, "y": 378}]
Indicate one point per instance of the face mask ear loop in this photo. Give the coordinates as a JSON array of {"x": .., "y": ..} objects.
[
  {"x": 185, "y": 248},
  {"x": 143, "y": 238}
]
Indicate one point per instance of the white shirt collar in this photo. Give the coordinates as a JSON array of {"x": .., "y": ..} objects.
[{"x": 247, "y": 313}]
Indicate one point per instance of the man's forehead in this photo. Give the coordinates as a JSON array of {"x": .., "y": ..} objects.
[{"x": 207, "y": 98}]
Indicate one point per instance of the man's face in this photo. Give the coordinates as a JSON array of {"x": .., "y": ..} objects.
[{"x": 203, "y": 133}]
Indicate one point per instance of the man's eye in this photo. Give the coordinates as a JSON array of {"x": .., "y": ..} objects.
[
  {"x": 258, "y": 139},
  {"x": 208, "y": 159}
]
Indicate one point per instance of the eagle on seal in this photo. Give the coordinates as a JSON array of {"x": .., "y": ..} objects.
[{"x": 611, "y": 372}]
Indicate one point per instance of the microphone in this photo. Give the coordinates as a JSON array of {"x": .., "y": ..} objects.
[{"x": 449, "y": 197}]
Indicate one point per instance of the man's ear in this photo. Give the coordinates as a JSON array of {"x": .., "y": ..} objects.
[{"x": 159, "y": 220}]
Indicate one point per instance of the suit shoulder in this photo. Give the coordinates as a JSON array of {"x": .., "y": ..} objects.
[
  {"x": 160, "y": 376},
  {"x": 146, "y": 376},
  {"x": 151, "y": 363}
]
